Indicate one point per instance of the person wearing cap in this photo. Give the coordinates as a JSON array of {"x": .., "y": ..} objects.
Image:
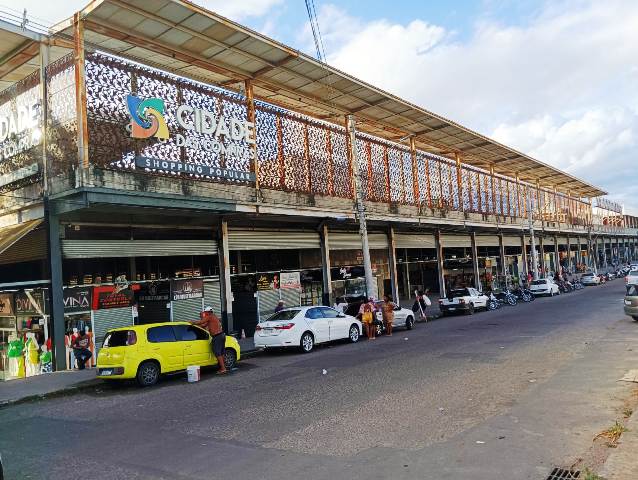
[
  {"x": 280, "y": 306},
  {"x": 211, "y": 322}
]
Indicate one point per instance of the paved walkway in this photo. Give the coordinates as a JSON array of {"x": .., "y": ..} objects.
[{"x": 18, "y": 390}]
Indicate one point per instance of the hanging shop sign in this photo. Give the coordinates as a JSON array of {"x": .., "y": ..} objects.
[
  {"x": 187, "y": 288},
  {"x": 153, "y": 292},
  {"x": 30, "y": 303},
  {"x": 199, "y": 130},
  {"x": 345, "y": 273},
  {"x": 113, "y": 296},
  {"x": 290, "y": 280},
  {"x": 267, "y": 281},
  {"x": 6, "y": 305},
  {"x": 77, "y": 299}
]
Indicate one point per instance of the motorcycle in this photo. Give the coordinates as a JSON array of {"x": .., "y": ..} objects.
[
  {"x": 523, "y": 294},
  {"x": 577, "y": 285},
  {"x": 493, "y": 303}
]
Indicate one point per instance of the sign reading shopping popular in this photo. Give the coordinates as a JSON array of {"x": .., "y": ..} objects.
[{"x": 200, "y": 130}]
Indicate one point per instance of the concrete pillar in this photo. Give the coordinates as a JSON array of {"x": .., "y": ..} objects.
[
  {"x": 224, "y": 278},
  {"x": 577, "y": 257},
  {"x": 328, "y": 297},
  {"x": 56, "y": 296},
  {"x": 439, "y": 262},
  {"x": 541, "y": 263},
  {"x": 556, "y": 255},
  {"x": 392, "y": 257},
  {"x": 524, "y": 256},
  {"x": 501, "y": 253},
  {"x": 475, "y": 265}
]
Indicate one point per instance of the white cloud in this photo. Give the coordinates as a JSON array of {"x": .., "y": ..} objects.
[
  {"x": 240, "y": 9},
  {"x": 561, "y": 87}
]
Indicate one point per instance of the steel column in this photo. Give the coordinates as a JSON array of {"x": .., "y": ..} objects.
[
  {"x": 459, "y": 181},
  {"x": 475, "y": 265},
  {"x": 415, "y": 172},
  {"x": 80, "y": 91},
  {"x": 556, "y": 255},
  {"x": 524, "y": 257},
  {"x": 324, "y": 238},
  {"x": 439, "y": 262},
  {"x": 250, "y": 114},
  {"x": 224, "y": 277},
  {"x": 501, "y": 252},
  {"x": 56, "y": 296},
  {"x": 392, "y": 257}
]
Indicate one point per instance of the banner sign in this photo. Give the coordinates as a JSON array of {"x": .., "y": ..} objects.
[
  {"x": 180, "y": 167},
  {"x": 20, "y": 120},
  {"x": 290, "y": 280},
  {"x": 187, "y": 288},
  {"x": 6, "y": 305},
  {"x": 30, "y": 303},
  {"x": 77, "y": 299},
  {"x": 154, "y": 292},
  {"x": 267, "y": 281},
  {"x": 113, "y": 296}
]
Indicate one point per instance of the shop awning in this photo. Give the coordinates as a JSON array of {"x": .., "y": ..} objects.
[{"x": 19, "y": 244}]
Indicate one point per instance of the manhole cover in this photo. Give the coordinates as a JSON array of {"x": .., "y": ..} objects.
[{"x": 562, "y": 474}]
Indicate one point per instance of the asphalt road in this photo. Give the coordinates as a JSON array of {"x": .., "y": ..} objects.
[{"x": 505, "y": 394}]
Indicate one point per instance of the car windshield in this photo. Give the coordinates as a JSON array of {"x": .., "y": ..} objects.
[
  {"x": 283, "y": 315},
  {"x": 539, "y": 282}
]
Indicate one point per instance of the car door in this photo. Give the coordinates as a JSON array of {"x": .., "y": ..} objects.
[
  {"x": 338, "y": 326},
  {"x": 195, "y": 343},
  {"x": 164, "y": 346},
  {"x": 319, "y": 325},
  {"x": 400, "y": 314}
]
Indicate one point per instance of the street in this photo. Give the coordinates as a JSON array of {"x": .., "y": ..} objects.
[{"x": 504, "y": 394}]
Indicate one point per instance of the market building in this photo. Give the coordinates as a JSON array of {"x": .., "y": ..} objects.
[{"x": 155, "y": 159}]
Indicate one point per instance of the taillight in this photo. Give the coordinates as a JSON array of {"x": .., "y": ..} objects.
[
  {"x": 461, "y": 300},
  {"x": 131, "y": 338},
  {"x": 285, "y": 326},
  {"x": 258, "y": 328}
]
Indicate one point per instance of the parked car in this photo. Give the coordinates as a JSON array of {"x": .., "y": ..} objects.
[
  {"x": 544, "y": 286},
  {"x": 466, "y": 300},
  {"x": 350, "y": 303},
  {"x": 632, "y": 278},
  {"x": 590, "y": 278},
  {"x": 403, "y": 317},
  {"x": 304, "y": 327},
  {"x": 144, "y": 352},
  {"x": 631, "y": 302}
]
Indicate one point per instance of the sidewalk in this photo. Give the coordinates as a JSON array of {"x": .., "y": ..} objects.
[
  {"x": 622, "y": 463},
  {"x": 17, "y": 390}
]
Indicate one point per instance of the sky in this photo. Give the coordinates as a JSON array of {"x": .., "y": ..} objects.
[{"x": 557, "y": 80}]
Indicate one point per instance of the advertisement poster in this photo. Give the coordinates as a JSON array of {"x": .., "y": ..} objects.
[
  {"x": 6, "y": 305},
  {"x": 153, "y": 292},
  {"x": 290, "y": 280},
  {"x": 267, "y": 281},
  {"x": 187, "y": 288},
  {"x": 113, "y": 296},
  {"x": 30, "y": 303},
  {"x": 77, "y": 299}
]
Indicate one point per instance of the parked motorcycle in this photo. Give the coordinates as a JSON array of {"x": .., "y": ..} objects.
[
  {"x": 523, "y": 294},
  {"x": 507, "y": 297},
  {"x": 493, "y": 303},
  {"x": 577, "y": 284}
]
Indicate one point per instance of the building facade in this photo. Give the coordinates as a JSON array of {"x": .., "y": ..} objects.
[{"x": 147, "y": 172}]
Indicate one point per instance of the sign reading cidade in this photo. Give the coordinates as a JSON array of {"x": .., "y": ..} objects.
[{"x": 20, "y": 124}]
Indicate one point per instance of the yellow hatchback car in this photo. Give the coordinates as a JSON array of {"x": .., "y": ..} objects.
[{"x": 144, "y": 352}]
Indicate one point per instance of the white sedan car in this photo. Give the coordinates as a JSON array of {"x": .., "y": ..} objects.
[
  {"x": 403, "y": 317},
  {"x": 590, "y": 279},
  {"x": 544, "y": 286},
  {"x": 304, "y": 327}
]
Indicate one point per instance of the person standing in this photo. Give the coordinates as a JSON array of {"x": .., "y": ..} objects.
[
  {"x": 366, "y": 313},
  {"x": 211, "y": 322},
  {"x": 280, "y": 306},
  {"x": 387, "y": 309},
  {"x": 81, "y": 348}
]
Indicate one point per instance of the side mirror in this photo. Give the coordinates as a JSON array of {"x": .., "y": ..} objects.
[{"x": 341, "y": 315}]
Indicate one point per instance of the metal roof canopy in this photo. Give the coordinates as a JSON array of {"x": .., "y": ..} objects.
[{"x": 188, "y": 40}]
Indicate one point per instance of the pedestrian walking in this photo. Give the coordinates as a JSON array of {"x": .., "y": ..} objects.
[
  {"x": 421, "y": 303},
  {"x": 387, "y": 310},
  {"x": 366, "y": 313},
  {"x": 211, "y": 322},
  {"x": 280, "y": 306},
  {"x": 81, "y": 349}
]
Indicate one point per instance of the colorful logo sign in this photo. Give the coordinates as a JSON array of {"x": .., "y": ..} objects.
[{"x": 147, "y": 117}]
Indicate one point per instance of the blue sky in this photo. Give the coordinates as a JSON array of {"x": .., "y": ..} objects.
[{"x": 553, "y": 79}]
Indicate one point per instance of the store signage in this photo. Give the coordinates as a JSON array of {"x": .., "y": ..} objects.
[
  {"x": 147, "y": 117},
  {"x": 290, "y": 280},
  {"x": 113, "y": 296},
  {"x": 6, "y": 304},
  {"x": 187, "y": 288},
  {"x": 193, "y": 168},
  {"x": 267, "y": 281},
  {"x": 77, "y": 299},
  {"x": 19, "y": 124},
  {"x": 154, "y": 292},
  {"x": 345, "y": 273},
  {"x": 30, "y": 303}
]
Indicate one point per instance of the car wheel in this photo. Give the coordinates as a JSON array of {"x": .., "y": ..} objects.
[
  {"x": 635, "y": 317},
  {"x": 409, "y": 323},
  {"x": 353, "y": 334},
  {"x": 307, "y": 342},
  {"x": 470, "y": 309},
  {"x": 230, "y": 358},
  {"x": 148, "y": 373}
]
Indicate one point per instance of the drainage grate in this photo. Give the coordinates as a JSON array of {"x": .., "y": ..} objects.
[{"x": 562, "y": 474}]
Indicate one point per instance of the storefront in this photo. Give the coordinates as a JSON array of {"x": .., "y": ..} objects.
[
  {"x": 458, "y": 266},
  {"x": 513, "y": 259},
  {"x": 417, "y": 266},
  {"x": 78, "y": 317}
]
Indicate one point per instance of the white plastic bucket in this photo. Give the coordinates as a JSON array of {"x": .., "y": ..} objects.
[{"x": 193, "y": 373}]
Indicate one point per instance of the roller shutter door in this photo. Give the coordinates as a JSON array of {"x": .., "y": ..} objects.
[
  {"x": 456, "y": 241},
  {"x": 105, "y": 320},
  {"x": 187, "y": 310},
  {"x": 487, "y": 241},
  {"x": 352, "y": 241},
  {"x": 137, "y": 248},
  {"x": 212, "y": 296},
  {"x": 411, "y": 240},
  {"x": 271, "y": 240}
]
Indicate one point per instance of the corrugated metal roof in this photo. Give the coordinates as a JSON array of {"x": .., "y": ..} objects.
[{"x": 186, "y": 39}]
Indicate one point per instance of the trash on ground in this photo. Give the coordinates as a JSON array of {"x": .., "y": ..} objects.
[
  {"x": 630, "y": 376},
  {"x": 324, "y": 371},
  {"x": 480, "y": 442}
]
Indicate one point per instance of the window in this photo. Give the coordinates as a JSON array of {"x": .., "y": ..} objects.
[
  {"x": 632, "y": 291},
  {"x": 283, "y": 315},
  {"x": 120, "y": 338},
  {"x": 160, "y": 334},
  {"x": 314, "y": 313},
  {"x": 539, "y": 282},
  {"x": 189, "y": 333},
  {"x": 329, "y": 312}
]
